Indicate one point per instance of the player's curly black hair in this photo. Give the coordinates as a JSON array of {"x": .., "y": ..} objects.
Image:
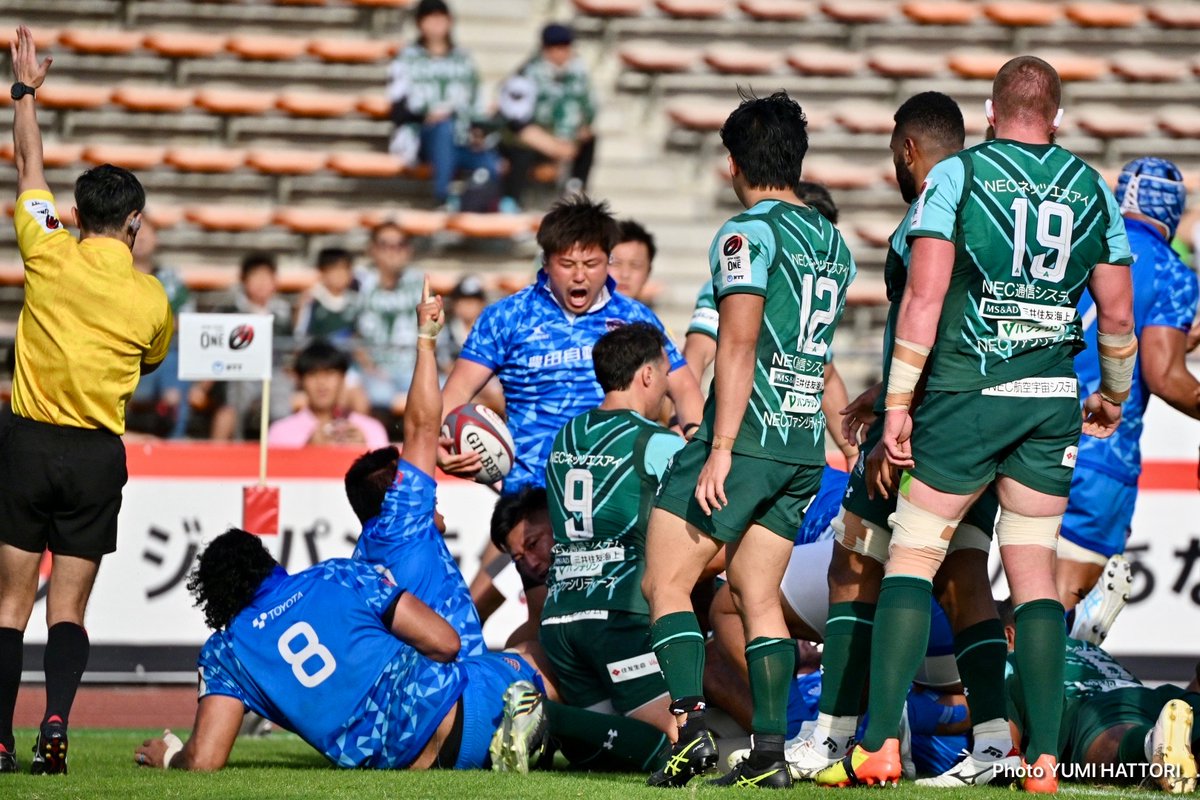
[
  {"x": 767, "y": 137},
  {"x": 577, "y": 222},
  {"x": 368, "y": 479},
  {"x": 228, "y": 574}
]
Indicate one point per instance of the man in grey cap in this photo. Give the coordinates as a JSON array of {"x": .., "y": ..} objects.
[{"x": 548, "y": 109}]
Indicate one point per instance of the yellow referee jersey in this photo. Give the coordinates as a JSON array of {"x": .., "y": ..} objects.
[{"x": 89, "y": 321}]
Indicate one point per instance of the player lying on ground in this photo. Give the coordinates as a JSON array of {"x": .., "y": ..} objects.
[
  {"x": 365, "y": 673},
  {"x": 1111, "y": 720}
]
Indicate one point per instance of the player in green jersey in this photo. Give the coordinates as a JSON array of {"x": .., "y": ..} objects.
[
  {"x": 601, "y": 479},
  {"x": 1000, "y": 403},
  {"x": 780, "y": 272}
]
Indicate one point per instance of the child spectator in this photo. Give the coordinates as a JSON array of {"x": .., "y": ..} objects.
[
  {"x": 330, "y": 309},
  {"x": 320, "y": 375}
]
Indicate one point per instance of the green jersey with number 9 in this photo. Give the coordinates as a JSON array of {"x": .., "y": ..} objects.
[
  {"x": 1028, "y": 222},
  {"x": 601, "y": 479},
  {"x": 797, "y": 261}
]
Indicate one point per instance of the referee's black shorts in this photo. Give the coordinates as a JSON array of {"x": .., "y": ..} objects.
[{"x": 60, "y": 488}]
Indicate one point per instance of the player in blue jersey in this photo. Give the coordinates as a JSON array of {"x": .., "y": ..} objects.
[
  {"x": 367, "y": 674},
  {"x": 538, "y": 342},
  {"x": 395, "y": 500},
  {"x": 1104, "y": 488}
]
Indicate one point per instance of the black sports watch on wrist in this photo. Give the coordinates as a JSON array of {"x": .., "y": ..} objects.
[{"x": 19, "y": 90}]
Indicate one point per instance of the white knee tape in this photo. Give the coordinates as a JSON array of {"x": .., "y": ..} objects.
[
  {"x": 969, "y": 537},
  {"x": 916, "y": 528},
  {"x": 1069, "y": 551},
  {"x": 872, "y": 541},
  {"x": 1018, "y": 529}
]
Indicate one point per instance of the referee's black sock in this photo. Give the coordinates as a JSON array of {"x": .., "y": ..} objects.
[
  {"x": 67, "y": 648},
  {"x": 11, "y": 651}
]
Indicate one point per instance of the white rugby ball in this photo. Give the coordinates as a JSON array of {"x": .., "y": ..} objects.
[{"x": 476, "y": 428}]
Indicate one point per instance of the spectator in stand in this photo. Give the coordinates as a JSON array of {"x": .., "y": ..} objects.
[
  {"x": 548, "y": 109},
  {"x": 467, "y": 302},
  {"x": 320, "y": 375},
  {"x": 330, "y": 309},
  {"x": 159, "y": 405},
  {"x": 632, "y": 259},
  {"x": 433, "y": 87}
]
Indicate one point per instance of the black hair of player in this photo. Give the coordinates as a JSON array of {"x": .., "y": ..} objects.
[
  {"x": 620, "y": 353},
  {"x": 332, "y": 257},
  {"x": 105, "y": 196},
  {"x": 633, "y": 231},
  {"x": 767, "y": 137},
  {"x": 815, "y": 195},
  {"x": 577, "y": 222},
  {"x": 227, "y": 575},
  {"x": 319, "y": 355},
  {"x": 368, "y": 480},
  {"x": 255, "y": 261},
  {"x": 935, "y": 118},
  {"x": 513, "y": 509}
]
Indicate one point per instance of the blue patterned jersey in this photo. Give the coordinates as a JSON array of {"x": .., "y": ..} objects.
[
  {"x": 311, "y": 653},
  {"x": 404, "y": 538},
  {"x": 1164, "y": 293},
  {"x": 543, "y": 357}
]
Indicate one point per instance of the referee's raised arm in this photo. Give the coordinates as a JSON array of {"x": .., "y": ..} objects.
[{"x": 27, "y": 137}]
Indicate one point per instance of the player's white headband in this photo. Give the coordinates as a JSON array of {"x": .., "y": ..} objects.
[{"x": 991, "y": 117}]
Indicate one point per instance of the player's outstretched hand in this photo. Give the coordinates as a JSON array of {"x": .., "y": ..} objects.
[
  {"x": 860, "y": 415},
  {"x": 430, "y": 314},
  {"x": 897, "y": 438},
  {"x": 882, "y": 477},
  {"x": 463, "y": 465},
  {"x": 710, "y": 487},
  {"x": 26, "y": 68},
  {"x": 153, "y": 752},
  {"x": 1100, "y": 417}
]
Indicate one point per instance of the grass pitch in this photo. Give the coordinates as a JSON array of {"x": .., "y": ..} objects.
[{"x": 283, "y": 766}]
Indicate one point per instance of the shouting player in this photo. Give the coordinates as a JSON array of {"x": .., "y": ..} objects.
[
  {"x": 1004, "y": 238},
  {"x": 780, "y": 272}
]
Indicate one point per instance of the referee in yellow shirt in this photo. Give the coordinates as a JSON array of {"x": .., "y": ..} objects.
[{"x": 91, "y": 324}]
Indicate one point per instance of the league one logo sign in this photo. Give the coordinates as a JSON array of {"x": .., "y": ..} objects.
[{"x": 225, "y": 346}]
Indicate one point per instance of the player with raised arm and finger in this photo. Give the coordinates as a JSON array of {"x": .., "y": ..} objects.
[
  {"x": 1151, "y": 195},
  {"x": 394, "y": 495},
  {"x": 1005, "y": 236},
  {"x": 539, "y": 341},
  {"x": 780, "y": 272},
  {"x": 91, "y": 324}
]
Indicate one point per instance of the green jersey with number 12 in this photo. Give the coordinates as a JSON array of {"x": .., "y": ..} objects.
[
  {"x": 798, "y": 263},
  {"x": 1029, "y": 222}
]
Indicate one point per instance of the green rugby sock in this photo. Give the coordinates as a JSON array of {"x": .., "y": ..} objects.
[
  {"x": 772, "y": 664},
  {"x": 605, "y": 741},
  {"x": 980, "y": 652},
  {"x": 898, "y": 645},
  {"x": 846, "y": 658},
  {"x": 679, "y": 645},
  {"x": 1040, "y": 661},
  {"x": 1132, "y": 749}
]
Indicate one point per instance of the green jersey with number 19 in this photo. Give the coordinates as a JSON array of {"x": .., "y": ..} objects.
[
  {"x": 1029, "y": 222},
  {"x": 798, "y": 262},
  {"x": 601, "y": 479}
]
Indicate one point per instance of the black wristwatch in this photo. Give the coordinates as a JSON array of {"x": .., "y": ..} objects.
[{"x": 19, "y": 90}]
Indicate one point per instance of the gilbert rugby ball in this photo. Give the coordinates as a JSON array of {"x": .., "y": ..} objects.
[{"x": 477, "y": 428}]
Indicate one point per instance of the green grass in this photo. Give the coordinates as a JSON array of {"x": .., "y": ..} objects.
[{"x": 282, "y": 766}]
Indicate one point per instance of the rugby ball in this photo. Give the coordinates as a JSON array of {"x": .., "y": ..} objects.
[{"x": 475, "y": 427}]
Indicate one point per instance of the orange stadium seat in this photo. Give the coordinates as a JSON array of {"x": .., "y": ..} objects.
[
  {"x": 657, "y": 57},
  {"x": 1148, "y": 67},
  {"x": 164, "y": 216},
  {"x": 1023, "y": 13},
  {"x": 491, "y": 226},
  {"x": 365, "y": 165},
  {"x": 73, "y": 95},
  {"x": 1180, "y": 121},
  {"x": 101, "y": 41},
  {"x": 299, "y": 2},
  {"x": 858, "y": 12},
  {"x": 374, "y": 105},
  {"x": 258, "y": 47},
  {"x": 703, "y": 114},
  {"x": 163, "y": 99},
  {"x": 1176, "y": 15},
  {"x": 184, "y": 44},
  {"x": 1077, "y": 68},
  {"x": 129, "y": 156},
  {"x": 738, "y": 59},
  {"x": 235, "y": 101},
  {"x": 976, "y": 64},
  {"x": 316, "y": 104},
  {"x": 1105, "y": 15},
  {"x": 825, "y": 62},
  {"x": 54, "y": 154},
  {"x": 351, "y": 51},
  {"x": 610, "y": 9},
  {"x": 382, "y": 3},
  {"x": 286, "y": 162},
  {"x": 777, "y": 10},
  {"x": 317, "y": 220},
  {"x": 413, "y": 222},
  {"x": 693, "y": 9},
  {"x": 43, "y": 38},
  {"x": 1111, "y": 122},
  {"x": 905, "y": 63},
  {"x": 204, "y": 159},
  {"x": 877, "y": 233},
  {"x": 229, "y": 218},
  {"x": 941, "y": 12},
  {"x": 6, "y": 151},
  {"x": 859, "y": 117},
  {"x": 837, "y": 173}
]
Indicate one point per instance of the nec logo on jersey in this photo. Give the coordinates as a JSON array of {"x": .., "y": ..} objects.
[
  {"x": 262, "y": 619},
  {"x": 735, "y": 259}
]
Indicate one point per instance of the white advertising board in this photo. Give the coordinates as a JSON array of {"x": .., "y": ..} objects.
[{"x": 225, "y": 347}]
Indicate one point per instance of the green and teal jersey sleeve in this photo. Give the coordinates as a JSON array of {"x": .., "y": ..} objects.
[
  {"x": 1116, "y": 240},
  {"x": 705, "y": 319},
  {"x": 935, "y": 214},
  {"x": 741, "y": 256},
  {"x": 660, "y": 449}
]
